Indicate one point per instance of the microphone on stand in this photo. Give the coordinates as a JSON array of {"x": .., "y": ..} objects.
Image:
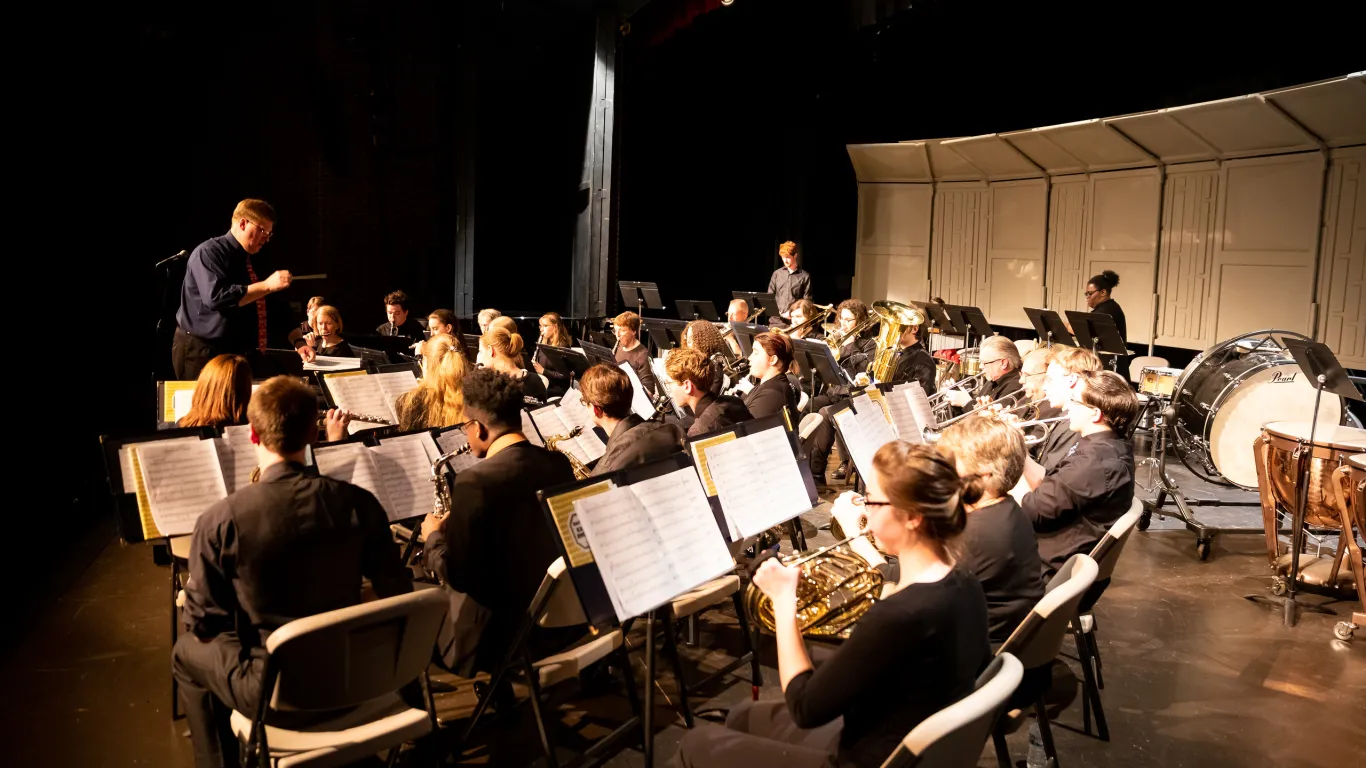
[{"x": 182, "y": 255}]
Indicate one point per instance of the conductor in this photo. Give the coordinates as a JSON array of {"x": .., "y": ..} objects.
[{"x": 222, "y": 304}]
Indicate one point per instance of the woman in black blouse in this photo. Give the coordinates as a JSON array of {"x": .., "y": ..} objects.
[
  {"x": 768, "y": 361},
  {"x": 916, "y": 651},
  {"x": 327, "y": 340},
  {"x": 501, "y": 351},
  {"x": 1098, "y": 299},
  {"x": 553, "y": 334}
]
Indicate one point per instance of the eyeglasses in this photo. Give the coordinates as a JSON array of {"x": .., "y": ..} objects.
[
  {"x": 860, "y": 501},
  {"x": 1032, "y": 375},
  {"x": 269, "y": 233},
  {"x": 985, "y": 363},
  {"x": 1089, "y": 294}
]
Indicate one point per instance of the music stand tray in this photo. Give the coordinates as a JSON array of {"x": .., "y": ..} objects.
[
  {"x": 666, "y": 334},
  {"x": 640, "y": 294},
  {"x": 759, "y": 301},
  {"x": 1050, "y": 326},
  {"x": 1097, "y": 331},
  {"x": 597, "y": 353},
  {"x": 974, "y": 320},
  {"x": 821, "y": 359},
  {"x": 566, "y": 362},
  {"x": 935, "y": 312},
  {"x": 689, "y": 310}
]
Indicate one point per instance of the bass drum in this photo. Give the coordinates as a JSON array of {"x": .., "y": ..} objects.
[{"x": 1228, "y": 392}]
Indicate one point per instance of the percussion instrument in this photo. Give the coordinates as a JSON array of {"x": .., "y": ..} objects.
[
  {"x": 1158, "y": 381},
  {"x": 971, "y": 361},
  {"x": 1278, "y": 453},
  {"x": 1349, "y": 482},
  {"x": 1227, "y": 393}
]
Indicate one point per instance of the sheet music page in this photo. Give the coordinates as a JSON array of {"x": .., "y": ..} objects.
[
  {"x": 640, "y": 402},
  {"x": 529, "y": 430},
  {"x": 851, "y": 429},
  {"x": 573, "y": 412},
  {"x": 699, "y": 449},
  {"x": 335, "y": 364},
  {"x": 182, "y": 481},
  {"x": 875, "y": 427},
  {"x": 758, "y": 481},
  {"x": 454, "y": 440},
  {"x": 628, "y": 551},
  {"x": 560, "y": 420},
  {"x": 406, "y": 472},
  {"x": 180, "y": 403},
  {"x": 920, "y": 406},
  {"x": 237, "y": 457},
  {"x": 131, "y": 475},
  {"x": 352, "y": 463},
  {"x": 662, "y": 376},
  {"x": 549, "y": 421},
  {"x": 903, "y": 419},
  {"x": 391, "y": 385},
  {"x": 693, "y": 545},
  {"x": 590, "y": 445},
  {"x": 360, "y": 394}
]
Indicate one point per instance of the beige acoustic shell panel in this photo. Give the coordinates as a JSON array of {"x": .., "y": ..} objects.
[
  {"x": 1342, "y": 264},
  {"x": 893, "y": 257}
]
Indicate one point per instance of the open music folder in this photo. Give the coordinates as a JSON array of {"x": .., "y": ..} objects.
[
  {"x": 175, "y": 480},
  {"x": 864, "y": 429},
  {"x": 373, "y": 394},
  {"x": 702, "y": 447},
  {"x": 561, "y": 418},
  {"x": 451, "y": 439},
  {"x": 642, "y": 402},
  {"x": 652, "y": 540},
  {"x": 903, "y": 414},
  {"x": 334, "y": 363},
  {"x": 397, "y": 471},
  {"x": 757, "y": 481}
]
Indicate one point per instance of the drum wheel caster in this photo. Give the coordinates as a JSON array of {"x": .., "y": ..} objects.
[
  {"x": 1277, "y": 586},
  {"x": 1202, "y": 546},
  {"x": 1343, "y": 630},
  {"x": 1145, "y": 521}
]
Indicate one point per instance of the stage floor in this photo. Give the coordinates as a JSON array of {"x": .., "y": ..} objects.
[{"x": 1195, "y": 675}]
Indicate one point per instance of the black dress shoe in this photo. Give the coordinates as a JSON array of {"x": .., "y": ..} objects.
[{"x": 841, "y": 473}]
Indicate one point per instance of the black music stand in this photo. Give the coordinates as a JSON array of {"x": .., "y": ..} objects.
[
  {"x": 745, "y": 333},
  {"x": 940, "y": 318},
  {"x": 471, "y": 345},
  {"x": 567, "y": 362},
  {"x": 640, "y": 294},
  {"x": 974, "y": 320},
  {"x": 689, "y": 310},
  {"x": 666, "y": 334},
  {"x": 1099, "y": 332},
  {"x": 370, "y": 358},
  {"x": 280, "y": 362},
  {"x": 1323, "y": 370},
  {"x": 597, "y": 353},
  {"x": 1050, "y": 326},
  {"x": 819, "y": 358},
  {"x": 396, "y": 347},
  {"x": 759, "y": 302}
]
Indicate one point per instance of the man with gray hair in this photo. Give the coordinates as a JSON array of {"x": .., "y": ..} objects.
[{"x": 1001, "y": 370}]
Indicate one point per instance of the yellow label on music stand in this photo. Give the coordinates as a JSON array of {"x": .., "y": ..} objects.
[
  {"x": 571, "y": 532},
  {"x": 149, "y": 528},
  {"x": 168, "y": 393},
  {"x": 699, "y": 456}
]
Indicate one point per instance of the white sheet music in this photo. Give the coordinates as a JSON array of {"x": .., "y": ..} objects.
[
  {"x": 180, "y": 402},
  {"x": 851, "y": 431},
  {"x": 360, "y": 394},
  {"x": 391, "y": 385},
  {"x": 758, "y": 481},
  {"x": 529, "y": 430},
  {"x": 334, "y": 364},
  {"x": 237, "y": 457},
  {"x": 903, "y": 418},
  {"x": 126, "y": 458},
  {"x": 874, "y": 421},
  {"x": 454, "y": 440},
  {"x": 561, "y": 419},
  {"x": 404, "y": 465},
  {"x": 352, "y": 463},
  {"x": 920, "y": 405},
  {"x": 640, "y": 402},
  {"x": 653, "y": 540},
  {"x": 182, "y": 481}
]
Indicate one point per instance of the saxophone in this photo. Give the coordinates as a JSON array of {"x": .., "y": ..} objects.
[
  {"x": 552, "y": 444},
  {"x": 440, "y": 487}
]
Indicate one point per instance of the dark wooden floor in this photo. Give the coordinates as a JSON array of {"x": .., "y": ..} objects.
[{"x": 1195, "y": 675}]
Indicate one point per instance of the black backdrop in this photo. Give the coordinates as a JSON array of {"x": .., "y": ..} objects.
[{"x": 144, "y": 123}]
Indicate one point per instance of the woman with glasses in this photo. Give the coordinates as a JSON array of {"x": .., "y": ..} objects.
[
  {"x": 916, "y": 651},
  {"x": 1072, "y": 505},
  {"x": 1098, "y": 299},
  {"x": 1062, "y": 374}
]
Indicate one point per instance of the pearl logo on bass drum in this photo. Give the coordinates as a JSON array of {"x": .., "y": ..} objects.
[{"x": 1280, "y": 377}]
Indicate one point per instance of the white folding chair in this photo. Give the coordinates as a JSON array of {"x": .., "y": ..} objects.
[
  {"x": 1038, "y": 640},
  {"x": 953, "y": 736},
  {"x": 356, "y": 659}
]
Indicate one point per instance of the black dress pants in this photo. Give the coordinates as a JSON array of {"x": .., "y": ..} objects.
[
  {"x": 189, "y": 354},
  {"x": 761, "y": 734},
  {"x": 822, "y": 440},
  {"x": 216, "y": 677}
]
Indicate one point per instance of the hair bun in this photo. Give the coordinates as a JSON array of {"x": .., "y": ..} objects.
[
  {"x": 515, "y": 344},
  {"x": 1112, "y": 276}
]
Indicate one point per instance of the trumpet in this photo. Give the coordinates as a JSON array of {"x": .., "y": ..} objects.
[
  {"x": 974, "y": 380},
  {"x": 1032, "y": 440}
]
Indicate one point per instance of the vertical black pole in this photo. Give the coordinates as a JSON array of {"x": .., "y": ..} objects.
[{"x": 593, "y": 230}]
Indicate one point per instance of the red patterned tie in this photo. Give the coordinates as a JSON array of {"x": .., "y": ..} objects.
[{"x": 260, "y": 311}]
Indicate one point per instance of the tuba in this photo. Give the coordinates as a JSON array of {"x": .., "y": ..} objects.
[
  {"x": 835, "y": 589},
  {"x": 895, "y": 318},
  {"x": 552, "y": 443}
]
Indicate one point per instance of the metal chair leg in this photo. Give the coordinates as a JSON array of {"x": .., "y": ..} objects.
[
  {"x": 175, "y": 634},
  {"x": 671, "y": 644},
  {"x": 1094, "y": 643},
  {"x": 998, "y": 738},
  {"x": 1046, "y": 733},
  {"x": 534, "y": 683},
  {"x": 1090, "y": 693},
  {"x": 751, "y": 646}
]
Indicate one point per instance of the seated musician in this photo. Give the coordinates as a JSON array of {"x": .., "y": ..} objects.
[
  {"x": 399, "y": 323},
  {"x": 501, "y": 351},
  {"x": 703, "y": 336},
  {"x": 913, "y": 361},
  {"x": 299, "y": 336},
  {"x": 998, "y": 545},
  {"x": 553, "y": 334},
  {"x": 1001, "y": 369},
  {"x": 221, "y": 394},
  {"x": 769, "y": 358},
  {"x": 916, "y": 651},
  {"x": 487, "y": 316},
  {"x": 630, "y": 349},
  {"x": 1072, "y": 505},
  {"x": 631, "y": 440},
  {"x": 856, "y": 354},
  {"x": 801, "y": 311},
  {"x": 692, "y": 374},
  {"x": 736, "y": 312},
  {"x": 327, "y": 340},
  {"x": 292, "y": 545},
  {"x": 437, "y": 400},
  {"x": 494, "y": 546},
  {"x": 1059, "y": 382},
  {"x": 438, "y": 322}
]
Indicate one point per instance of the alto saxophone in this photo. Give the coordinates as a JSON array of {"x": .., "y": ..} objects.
[
  {"x": 552, "y": 443},
  {"x": 440, "y": 487}
]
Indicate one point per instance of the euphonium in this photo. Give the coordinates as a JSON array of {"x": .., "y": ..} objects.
[
  {"x": 896, "y": 318},
  {"x": 440, "y": 487},
  {"x": 835, "y": 589},
  {"x": 552, "y": 443}
]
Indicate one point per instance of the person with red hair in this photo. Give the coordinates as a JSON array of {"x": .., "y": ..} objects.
[{"x": 788, "y": 283}]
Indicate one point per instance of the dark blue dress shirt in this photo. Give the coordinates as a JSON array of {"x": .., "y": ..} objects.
[{"x": 215, "y": 281}]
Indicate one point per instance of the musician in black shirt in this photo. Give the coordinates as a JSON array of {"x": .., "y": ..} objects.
[
  {"x": 630, "y": 349},
  {"x": 769, "y": 357},
  {"x": 913, "y": 361},
  {"x": 788, "y": 283},
  {"x": 1098, "y": 299},
  {"x": 691, "y": 372},
  {"x": 1063, "y": 373},
  {"x": 326, "y": 340},
  {"x": 856, "y": 354},
  {"x": 1001, "y": 371},
  {"x": 289, "y": 546},
  {"x": 1072, "y": 505},
  {"x": 631, "y": 440},
  {"x": 916, "y": 651},
  {"x": 495, "y": 545},
  {"x": 400, "y": 324}
]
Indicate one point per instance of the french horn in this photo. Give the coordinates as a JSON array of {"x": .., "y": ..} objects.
[{"x": 835, "y": 588}]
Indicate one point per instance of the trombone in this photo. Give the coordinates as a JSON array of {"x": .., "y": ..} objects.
[
  {"x": 810, "y": 323},
  {"x": 974, "y": 379}
]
